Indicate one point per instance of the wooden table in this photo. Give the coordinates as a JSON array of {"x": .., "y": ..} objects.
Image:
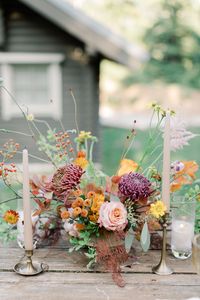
[{"x": 68, "y": 278}]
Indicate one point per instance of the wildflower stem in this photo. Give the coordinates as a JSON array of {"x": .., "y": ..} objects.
[
  {"x": 17, "y": 132},
  {"x": 153, "y": 163},
  {"x": 8, "y": 200},
  {"x": 24, "y": 115},
  {"x": 150, "y": 142},
  {"x": 44, "y": 122},
  {"x": 91, "y": 150},
  {"x": 75, "y": 112}
]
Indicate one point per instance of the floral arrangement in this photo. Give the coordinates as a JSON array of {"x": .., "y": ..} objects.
[{"x": 99, "y": 214}]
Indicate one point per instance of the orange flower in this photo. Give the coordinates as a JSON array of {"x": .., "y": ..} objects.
[
  {"x": 84, "y": 213},
  {"x": 185, "y": 176},
  {"x": 127, "y": 166},
  {"x": 78, "y": 202},
  {"x": 87, "y": 202},
  {"x": 190, "y": 168},
  {"x": 80, "y": 226},
  {"x": 175, "y": 186},
  {"x": 11, "y": 216},
  {"x": 115, "y": 179},
  {"x": 94, "y": 218},
  {"x": 90, "y": 194},
  {"x": 81, "y": 154},
  {"x": 65, "y": 214},
  {"x": 77, "y": 211},
  {"x": 77, "y": 193}
]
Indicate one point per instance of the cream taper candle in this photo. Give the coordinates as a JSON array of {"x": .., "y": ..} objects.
[
  {"x": 166, "y": 163},
  {"x": 28, "y": 231}
]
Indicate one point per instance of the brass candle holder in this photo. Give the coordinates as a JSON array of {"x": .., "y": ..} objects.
[
  {"x": 29, "y": 268},
  {"x": 162, "y": 268}
]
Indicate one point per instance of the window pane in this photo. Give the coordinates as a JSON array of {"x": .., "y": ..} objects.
[{"x": 30, "y": 83}]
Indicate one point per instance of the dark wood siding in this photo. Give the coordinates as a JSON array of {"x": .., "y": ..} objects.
[
  {"x": 2, "y": 36},
  {"x": 26, "y": 31}
]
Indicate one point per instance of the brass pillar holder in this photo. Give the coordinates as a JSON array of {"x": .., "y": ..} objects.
[
  {"x": 162, "y": 268},
  {"x": 29, "y": 268}
]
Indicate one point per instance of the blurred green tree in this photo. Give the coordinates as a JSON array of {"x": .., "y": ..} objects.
[{"x": 173, "y": 47}]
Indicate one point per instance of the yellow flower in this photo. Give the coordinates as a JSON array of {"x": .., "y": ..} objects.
[
  {"x": 94, "y": 218},
  {"x": 81, "y": 162},
  {"x": 157, "y": 209},
  {"x": 11, "y": 216},
  {"x": 127, "y": 166},
  {"x": 84, "y": 135},
  {"x": 97, "y": 202},
  {"x": 30, "y": 117}
]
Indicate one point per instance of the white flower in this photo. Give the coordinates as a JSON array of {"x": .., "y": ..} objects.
[
  {"x": 177, "y": 166},
  {"x": 179, "y": 135},
  {"x": 30, "y": 117}
]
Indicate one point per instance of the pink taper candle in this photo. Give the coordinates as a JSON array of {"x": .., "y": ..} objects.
[
  {"x": 28, "y": 231},
  {"x": 166, "y": 163}
]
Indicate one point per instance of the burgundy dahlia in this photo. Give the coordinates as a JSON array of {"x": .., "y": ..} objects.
[
  {"x": 65, "y": 179},
  {"x": 134, "y": 186}
]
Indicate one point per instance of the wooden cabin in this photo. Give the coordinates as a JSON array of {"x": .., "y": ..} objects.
[{"x": 48, "y": 47}]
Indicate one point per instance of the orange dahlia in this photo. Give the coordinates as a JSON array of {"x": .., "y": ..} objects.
[
  {"x": 65, "y": 214},
  {"x": 76, "y": 211},
  {"x": 11, "y": 216},
  {"x": 84, "y": 213}
]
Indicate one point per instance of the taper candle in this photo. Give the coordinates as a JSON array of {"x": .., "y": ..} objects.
[
  {"x": 28, "y": 231},
  {"x": 166, "y": 163}
]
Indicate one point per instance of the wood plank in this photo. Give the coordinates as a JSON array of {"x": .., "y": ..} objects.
[
  {"x": 61, "y": 260},
  {"x": 87, "y": 286}
]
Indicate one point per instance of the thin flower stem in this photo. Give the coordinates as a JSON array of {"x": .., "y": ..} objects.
[
  {"x": 23, "y": 113},
  {"x": 16, "y": 132},
  {"x": 75, "y": 108},
  {"x": 91, "y": 150},
  {"x": 28, "y": 123},
  {"x": 44, "y": 122},
  {"x": 10, "y": 187},
  {"x": 150, "y": 142},
  {"x": 129, "y": 147},
  {"x": 62, "y": 126},
  {"x": 153, "y": 163},
  {"x": 86, "y": 148},
  {"x": 8, "y": 200}
]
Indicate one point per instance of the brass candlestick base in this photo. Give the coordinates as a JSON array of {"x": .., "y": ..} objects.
[
  {"x": 28, "y": 268},
  {"x": 162, "y": 268}
]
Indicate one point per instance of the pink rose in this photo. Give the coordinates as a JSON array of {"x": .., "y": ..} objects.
[{"x": 113, "y": 216}]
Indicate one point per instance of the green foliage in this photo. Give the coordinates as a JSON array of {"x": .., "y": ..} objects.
[
  {"x": 174, "y": 47},
  {"x": 145, "y": 238},
  {"x": 85, "y": 237},
  {"x": 129, "y": 239},
  {"x": 93, "y": 175}
]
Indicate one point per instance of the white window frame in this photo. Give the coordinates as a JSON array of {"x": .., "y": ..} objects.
[{"x": 54, "y": 109}]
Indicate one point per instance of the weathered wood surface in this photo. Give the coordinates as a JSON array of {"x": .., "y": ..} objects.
[{"x": 68, "y": 278}]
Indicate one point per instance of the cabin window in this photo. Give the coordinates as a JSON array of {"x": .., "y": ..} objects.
[{"x": 35, "y": 80}]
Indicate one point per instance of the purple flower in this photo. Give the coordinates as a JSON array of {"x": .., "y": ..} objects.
[{"x": 134, "y": 186}]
